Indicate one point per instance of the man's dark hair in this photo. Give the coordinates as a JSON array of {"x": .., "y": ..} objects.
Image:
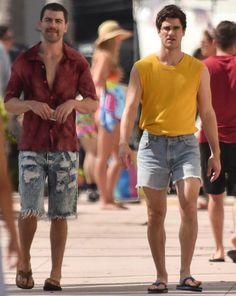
[
  {"x": 3, "y": 30},
  {"x": 225, "y": 34},
  {"x": 171, "y": 11},
  {"x": 54, "y": 7}
]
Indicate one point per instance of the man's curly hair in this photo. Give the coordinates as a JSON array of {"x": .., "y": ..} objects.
[{"x": 171, "y": 11}]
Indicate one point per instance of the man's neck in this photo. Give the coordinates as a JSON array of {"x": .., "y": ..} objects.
[
  {"x": 170, "y": 57},
  {"x": 228, "y": 52},
  {"x": 53, "y": 49}
]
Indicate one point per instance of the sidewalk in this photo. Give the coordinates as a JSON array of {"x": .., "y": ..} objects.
[{"x": 107, "y": 253}]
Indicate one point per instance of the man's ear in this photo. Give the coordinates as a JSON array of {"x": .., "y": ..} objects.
[
  {"x": 66, "y": 27},
  {"x": 38, "y": 26}
]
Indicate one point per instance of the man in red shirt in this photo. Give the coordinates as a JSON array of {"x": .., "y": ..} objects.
[
  {"x": 222, "y": 68},
  {"x": 50, "y": 75}
]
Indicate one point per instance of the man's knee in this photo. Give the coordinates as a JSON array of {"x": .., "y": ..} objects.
[
  {"x": 156, "y": 215},
  {"x": 189, "y": 212}
]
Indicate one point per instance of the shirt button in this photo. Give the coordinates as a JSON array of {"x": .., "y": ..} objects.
[
  {"x": 51, "y": 97},
  {"x": 45, "y": 81},
  {"x": 43, "y": 67}
]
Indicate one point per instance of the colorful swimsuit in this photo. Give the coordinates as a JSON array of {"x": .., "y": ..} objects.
[
  {"x": 112, "y": 103},
  {"x": 85, "y": 126}
]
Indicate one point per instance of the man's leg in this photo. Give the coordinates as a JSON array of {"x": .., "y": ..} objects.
[
  {"x": 232, "y": 253},
  {"x": 188, "y": 191},
  {"x": 27, "y": 228},
  {"x": 233, "y": 237},
  {"x": 216, "y": 216},
  {"x": 58, "y": 236},
  {"x": 156, "y": 207},
  {"x": 62, "y": 203},
  {"x": 31, "y": 185}
]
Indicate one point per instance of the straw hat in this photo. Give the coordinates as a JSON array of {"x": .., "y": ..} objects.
[{"x": 110, "y": 29}]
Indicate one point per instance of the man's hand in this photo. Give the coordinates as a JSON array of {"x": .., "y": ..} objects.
[
  {"x": 41, "y": 109},
  {"x": 13, "y": 253},
  {"x": 63, "y": 111},
  {"x": 214, "y": 168},
  {"x": 125, "y": 155}
]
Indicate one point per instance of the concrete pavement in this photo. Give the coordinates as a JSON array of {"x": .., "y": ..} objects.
[{"x": 107, "y": 253}]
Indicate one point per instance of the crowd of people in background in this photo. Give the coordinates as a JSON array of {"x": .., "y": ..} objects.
[{"x": 102, "y": 118}]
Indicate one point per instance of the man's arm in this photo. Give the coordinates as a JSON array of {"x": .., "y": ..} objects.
[
  {"x": 87, "y": 105},
  {"x": 17, "y": 106},
  {"x": 209, "y": 124},
  {"x": 133, "y": 98}
]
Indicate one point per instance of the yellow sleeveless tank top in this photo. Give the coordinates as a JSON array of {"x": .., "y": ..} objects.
[{"x": 169, "y": 95}]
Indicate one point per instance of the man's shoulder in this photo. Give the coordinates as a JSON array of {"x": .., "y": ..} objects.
[
  {"x": 145, "y": 62},
  {"x": 27, "y": 55},
  {"x": 147, "y": 59},
  {"x": 209, "y": 60},
  {"x": 192, "y": 64},
  {"x": 220, "y": 59},
  {"x": 74, "y": 55},
  {"x": 192, "y": 59}
]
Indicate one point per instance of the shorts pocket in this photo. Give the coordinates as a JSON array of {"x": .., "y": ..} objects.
[
  {"x": 190, "y": 141},
  {"x": 144, "y": 143}
]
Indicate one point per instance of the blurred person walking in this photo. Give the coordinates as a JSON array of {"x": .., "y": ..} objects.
[
  {"x": 50, "y": 74},
  {"x": 107, "y": 74},
  {"x": 6, "y": 42},
  {"x": 208, "y": 47},
  {"x": 7, "y": 212},
  {"x": 86, "y": 130},
  {"x": 222, "y": 68},
  {"x": 13, "y": 125},
  {"x": 170, "y": 85}
]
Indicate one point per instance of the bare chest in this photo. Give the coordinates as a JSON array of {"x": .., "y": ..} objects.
[{"x": 51, "y": 65}]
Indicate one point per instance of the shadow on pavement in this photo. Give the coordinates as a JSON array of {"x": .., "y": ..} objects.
[{"x": 209, "y": 288}]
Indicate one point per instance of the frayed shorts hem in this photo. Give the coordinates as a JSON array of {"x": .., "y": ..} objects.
[
  {"x": 152, "y": 187},
  {"x": 40, "y": 215},
  {"x": 187, "y": 177},
  {"x": 31, "y": 213}
]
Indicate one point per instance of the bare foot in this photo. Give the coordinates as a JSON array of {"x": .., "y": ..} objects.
[
  {"x": 24, "y": 279},
  {"x": 219, "y": 254},
  {"x": 189, "y": 284}
]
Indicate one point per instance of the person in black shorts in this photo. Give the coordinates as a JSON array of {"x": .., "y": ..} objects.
[{"x": 222, "y": 68}]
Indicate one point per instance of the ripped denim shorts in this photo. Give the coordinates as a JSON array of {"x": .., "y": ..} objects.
[
  {"x": 161, "y": 158},
  {"x": 60, "y": 169}
]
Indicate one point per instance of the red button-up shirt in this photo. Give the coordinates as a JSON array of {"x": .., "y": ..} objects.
[{"x": 72, "y": 78}]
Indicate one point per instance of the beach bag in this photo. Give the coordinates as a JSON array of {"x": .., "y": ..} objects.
[{"x": 126, "y": 190}]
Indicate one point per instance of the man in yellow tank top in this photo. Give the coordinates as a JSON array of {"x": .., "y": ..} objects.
[{"x": 171, "y": 86}]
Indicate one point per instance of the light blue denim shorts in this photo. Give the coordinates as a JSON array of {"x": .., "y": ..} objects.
[
  {"x": 60, "y": 169},
  {"x": 162, "y": 157}
]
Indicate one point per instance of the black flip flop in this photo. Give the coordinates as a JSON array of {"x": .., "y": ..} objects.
[
  {"x": 26, "y": 275},
  {"x": 51, "y": 285},
  {"x": 217, "y": 260},
  {"x": 158, "y": 290},
  {"x": 187, "y": 287}
]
